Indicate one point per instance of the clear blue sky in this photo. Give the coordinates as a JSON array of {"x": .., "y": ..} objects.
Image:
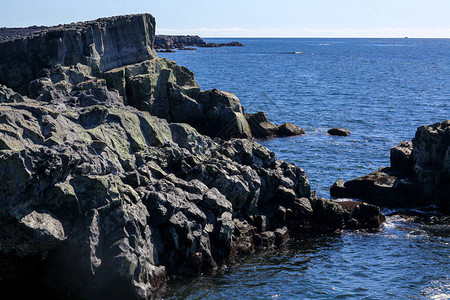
[{"x": 240, "y": 18}]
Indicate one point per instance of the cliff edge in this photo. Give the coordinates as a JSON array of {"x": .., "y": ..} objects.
[{"x": 102, "y": 44}]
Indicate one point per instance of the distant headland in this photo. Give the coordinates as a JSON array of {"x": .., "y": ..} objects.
[{"x": 186, "y": 42}]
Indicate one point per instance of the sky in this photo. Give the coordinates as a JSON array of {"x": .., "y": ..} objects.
[{"x": 250, "y": 18}]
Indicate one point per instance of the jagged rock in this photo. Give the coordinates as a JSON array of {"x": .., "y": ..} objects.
[
  {"x": 338, "y": 132},
  {"x": 95, "y": 44},
  {"x": 381, "y": 187},
  {"x": 169, "y": 91},
  {"x": 401, "y": 157},
  {"x": 362, "y": 215},
  {"x": 101, "y": 198},
  {"x": 224, "y": 115},
  {"x": 7, "y": 95},
  {"x": 431, "y": 154},
  {"x": 419, "y": 173},
  {"x": 261, "y": 126}
]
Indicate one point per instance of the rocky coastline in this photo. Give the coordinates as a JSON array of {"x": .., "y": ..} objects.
[
  {"x": 118, "y": 172},
  {"x": 419, "y": 176},
  {"x": 183, "y": 42}
]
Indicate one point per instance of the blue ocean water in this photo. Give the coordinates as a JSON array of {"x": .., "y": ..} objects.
[{"x": 379, "y": 89}]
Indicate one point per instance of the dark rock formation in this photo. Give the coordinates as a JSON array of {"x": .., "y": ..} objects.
[
  {"x": 339, "y": 132},
  {"x": 261, "y": 127},
  {"x": 7, "y": 34},
  {"x": 165, "y": 50},
  {"x": 43, "y": 64},
  {"x": 230, "y": 44},
  {"x": 419, "y": 174},
  {"x": 401, "y": 157},
  {"x": 103, "y": 194},
  {"x": 185, "y": 41},
  {"x": 102, "y": 44},
  {"x": 178, "y": 41},
  {"x": 289, "y": 129},
  {"x": 187, "y": 48}
]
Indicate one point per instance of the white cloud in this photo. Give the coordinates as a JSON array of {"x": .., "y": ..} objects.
[{"x": 388, "y": 32}]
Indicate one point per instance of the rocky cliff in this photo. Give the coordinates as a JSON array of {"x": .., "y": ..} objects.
[
  {"x": 104, "y": 194},
  {"x": 102, "y": 44}
]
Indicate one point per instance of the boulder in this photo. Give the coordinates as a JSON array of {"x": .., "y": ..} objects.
[
  {"x": 338, "y": 132},
  {"x": 289, "y": 129},
  {"x": 261, "y": 127},
  {"x": 362, "y": 215}
]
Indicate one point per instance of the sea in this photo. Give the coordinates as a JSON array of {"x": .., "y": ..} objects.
[{"x": 379, "y": 89}]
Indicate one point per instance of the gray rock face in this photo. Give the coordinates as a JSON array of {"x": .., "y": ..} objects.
[
  {"x": 102, "y": 44},
  {"x": 170, "y": 91},
  {"x": 103, "y": 194},
  {"x": 418, "y": 176}
]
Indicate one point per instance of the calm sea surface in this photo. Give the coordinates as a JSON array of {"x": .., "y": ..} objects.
[{"x": 379, "y": 89}]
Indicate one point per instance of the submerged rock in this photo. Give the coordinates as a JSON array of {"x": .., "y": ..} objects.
[
  {"x": 105, "y": 193},
  {"x": 418, "y": 176}
]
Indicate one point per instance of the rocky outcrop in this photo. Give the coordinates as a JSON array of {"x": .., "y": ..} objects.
[
  {"x": 261, "y": 127},
  {"x": 419, "y": 174},
  {"x": 178, "y": 41},
  {"x": 169, "y": 91},
  {"x": 102, "y": 44},
  {"x": 185, "y": 41},
  {"x": 133, "y": 199},
  {"x": 117, "y": 52},
  {"x": 230, "y": 44},
  {"x": 105, "y": 194}
]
